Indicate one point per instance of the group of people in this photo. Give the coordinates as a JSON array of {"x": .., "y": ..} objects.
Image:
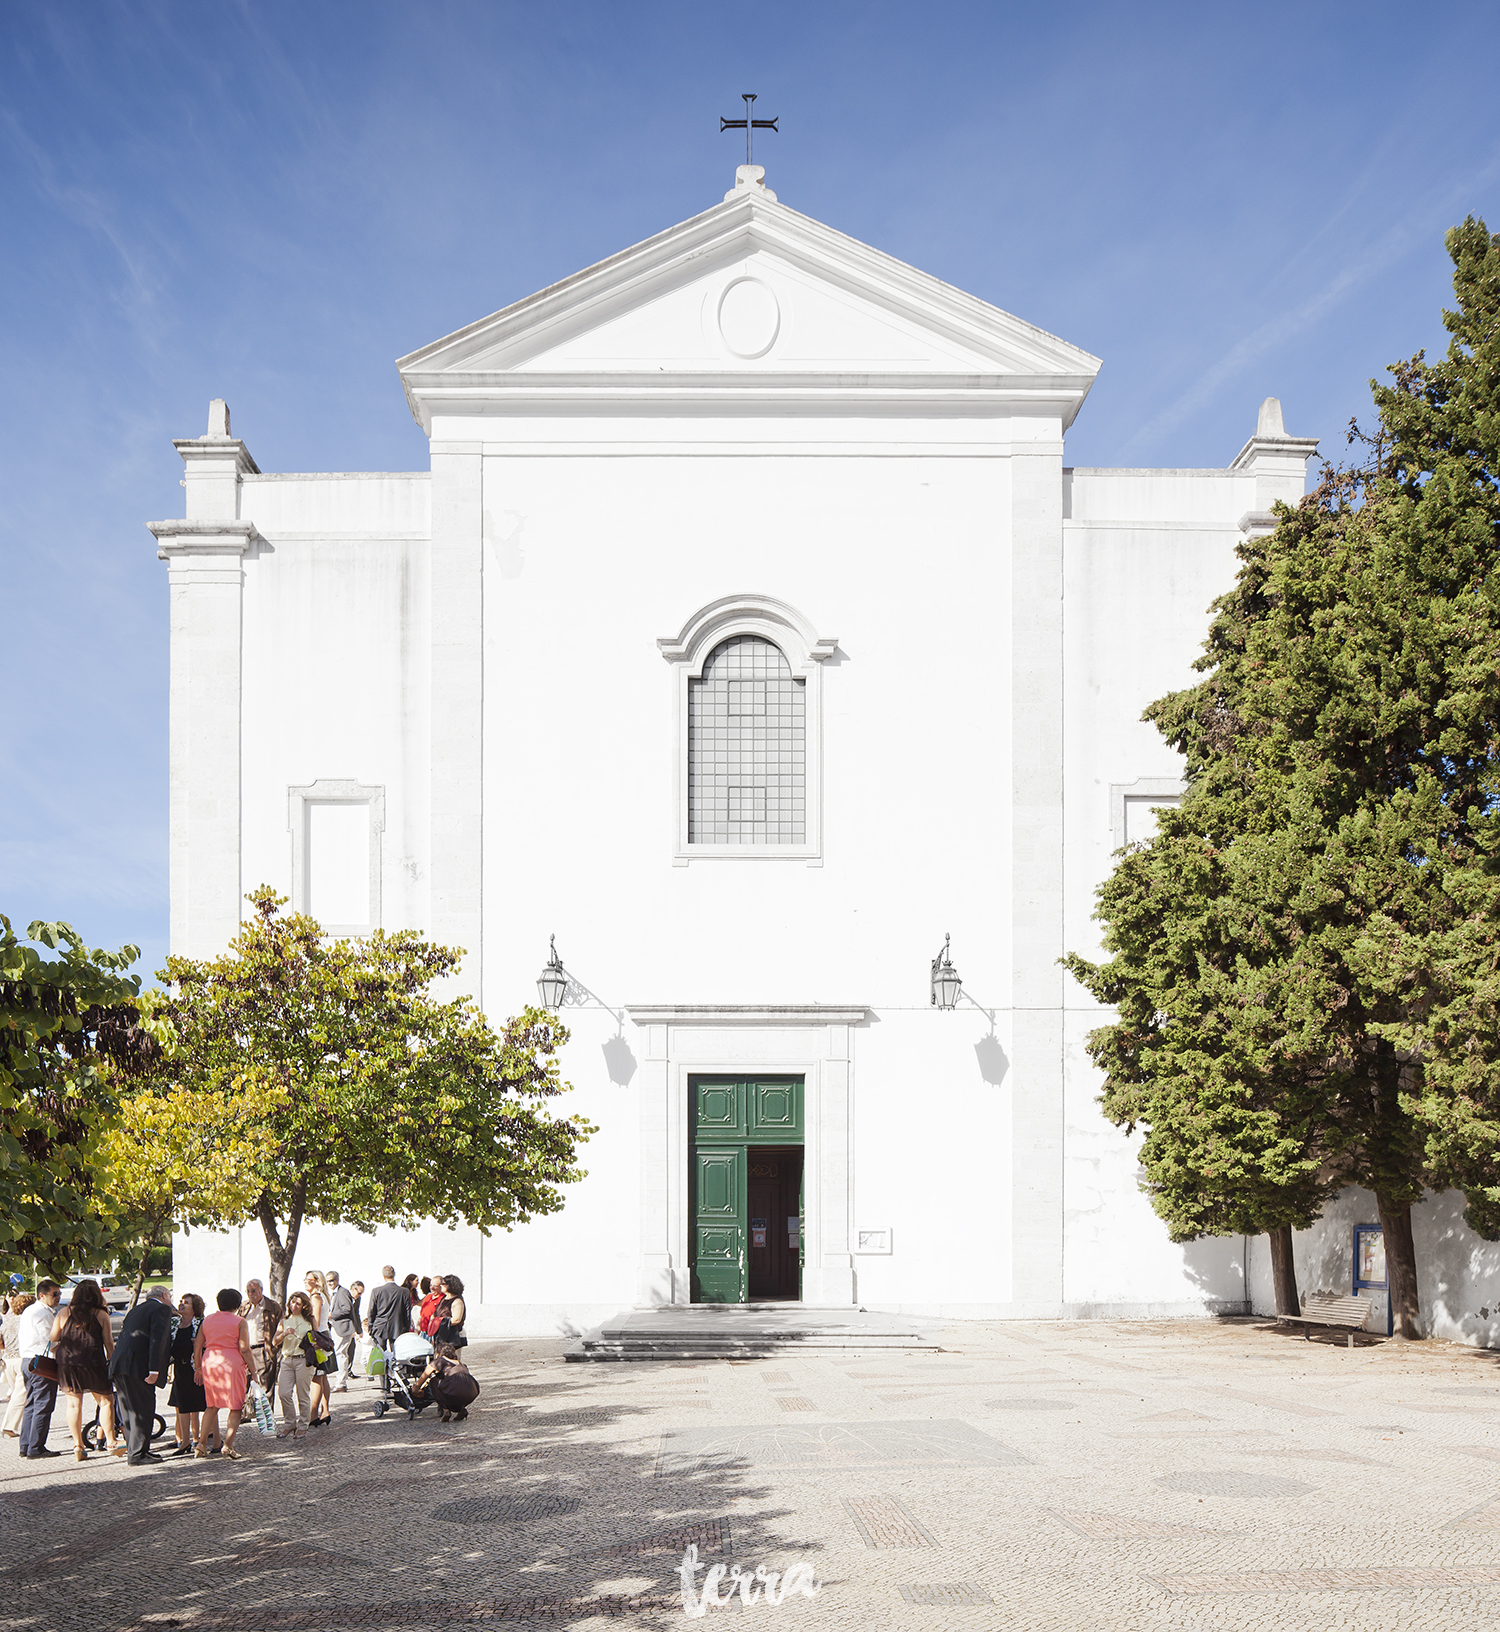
[{"x": 303, "y": 1355}]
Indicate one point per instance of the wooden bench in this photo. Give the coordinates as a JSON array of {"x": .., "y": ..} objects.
[{"x": 1329, "y": 1309}]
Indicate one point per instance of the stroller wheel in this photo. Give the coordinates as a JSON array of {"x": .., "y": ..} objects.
[
  {"x": 93, "y": 1436},
  {"x": 159, "y": 1427},
  {"x": 380, "y": 1408}
]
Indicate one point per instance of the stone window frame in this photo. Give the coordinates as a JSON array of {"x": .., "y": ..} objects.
[
  {"x": 1143, "y": 789},
  {"x": 335, "y": 791},
  {"x": 805, "y": 652}
]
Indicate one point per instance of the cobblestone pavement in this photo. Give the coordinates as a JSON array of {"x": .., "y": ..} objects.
[{"x": 1202, "y": 1476}]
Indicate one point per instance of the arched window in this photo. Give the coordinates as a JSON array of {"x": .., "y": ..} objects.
[
  {"x": 747, "y": 772},
  {"x": 747, "y": 747}
]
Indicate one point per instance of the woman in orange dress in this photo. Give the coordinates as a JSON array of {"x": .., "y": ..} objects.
[{"x": 221, "y": 1365}]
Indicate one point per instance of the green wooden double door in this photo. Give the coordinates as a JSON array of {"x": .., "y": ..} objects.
[{"x": 745, "y": 1188}]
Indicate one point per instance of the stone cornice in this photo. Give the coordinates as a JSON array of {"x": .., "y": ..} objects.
[
  {"x": 747, "y": 1014},
  {"x": 199, "y": 448},
  {"x": 177, "y": 538},
  {"x": 1278, "y": 447}
]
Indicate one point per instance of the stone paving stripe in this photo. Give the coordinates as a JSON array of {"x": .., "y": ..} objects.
[
  {"x": 794, "y": 1402},
  {"x": 540, "y": 1504},
  {"x": 883, "y": 1522},
  {"x": 1119, "y": 1527},
  {"x": 903, "y": 1395},
  {"x": 1230, "y": 1482},
  {"x": 1179, "y": 1416},
  {"x": 1484, "y": 1517},
  {"x": 777, "y": 1379},
  {"x": 1153, "y": 1436},
  {"x": 578, "y": 1418},
  {"x": 946, "y": 1592},
  {"x": 1272, "y": 1402},
  {"x": 420, "y": 1612},
  {"x": 832, "y": 1446},
  {"x": 1311, "y": 1453},
  {"x": 1032, "y": 1404},
  {"x": 1492, "y": 1452},
  {"x": 1432, "y": 1408},
  {"x": 712, "y": 1537},
  {"x": 1408, "y": 1580}
]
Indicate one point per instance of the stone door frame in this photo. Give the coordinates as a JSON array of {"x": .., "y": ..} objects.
[{"x": 810, "y": 1040}]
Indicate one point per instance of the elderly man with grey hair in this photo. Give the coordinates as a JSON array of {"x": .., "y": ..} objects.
[
  {"x": 138, "y": 1367},
  {"x": 344, "y": 1325},
  {"x": 262, "y": 1315}
]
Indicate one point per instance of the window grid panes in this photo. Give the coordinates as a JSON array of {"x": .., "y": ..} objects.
[{"x": 747, "y": 747}]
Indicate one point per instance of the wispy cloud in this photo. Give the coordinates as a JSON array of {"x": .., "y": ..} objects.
[{"x": 1391, "y": 246}]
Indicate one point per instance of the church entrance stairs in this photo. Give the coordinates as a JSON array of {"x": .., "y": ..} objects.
[{"x": 745, "y": 1331}]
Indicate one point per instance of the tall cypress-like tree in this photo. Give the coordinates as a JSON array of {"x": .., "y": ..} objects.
[{"x": 1292, "y": 957}]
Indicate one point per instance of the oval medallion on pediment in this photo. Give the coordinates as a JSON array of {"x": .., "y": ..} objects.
[{"x": 749, "y": 317}]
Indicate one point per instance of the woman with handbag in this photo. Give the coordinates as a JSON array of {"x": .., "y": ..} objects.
[
  {"x": 186, "y": 1397},
  {"x": 221, "y": 1363},
  {"x": 295, "y": 1373},
  {"x": 448, "y": 1326},
  {"x": 82, "y": 1343},
  {"x": 322, "y": 1389}
]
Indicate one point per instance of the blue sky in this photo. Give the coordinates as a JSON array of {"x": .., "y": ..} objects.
[{"x": 271, "y": 202}]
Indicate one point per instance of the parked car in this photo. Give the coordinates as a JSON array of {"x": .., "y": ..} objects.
[{"x": 117, "y": 1293}]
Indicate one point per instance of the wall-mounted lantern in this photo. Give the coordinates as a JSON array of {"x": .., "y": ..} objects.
[
  {"x": 552, "y": 983},
  {"x": 946, "y": 984}
]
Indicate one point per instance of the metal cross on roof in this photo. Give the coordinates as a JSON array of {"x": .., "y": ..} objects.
[{"x": 749, "y": 124}]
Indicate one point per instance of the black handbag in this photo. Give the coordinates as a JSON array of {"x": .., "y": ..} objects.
[{"x": 447, "y": 1333}]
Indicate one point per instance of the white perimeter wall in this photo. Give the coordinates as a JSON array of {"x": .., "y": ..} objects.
[
  {"x": 1145, "y": 553},
  {"x": 1458, "y": 1274}
]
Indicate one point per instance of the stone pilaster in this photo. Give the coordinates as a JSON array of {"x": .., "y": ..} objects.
[
  {"x": 457, "y": 869},
  {"x": 204, "y": 555},
  {"x": 1037, "y": 877}
]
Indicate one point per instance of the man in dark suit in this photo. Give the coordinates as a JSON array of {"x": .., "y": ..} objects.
[
  {"x": 389, "y": 1315},
  {"x": 138, "y": 1365}
]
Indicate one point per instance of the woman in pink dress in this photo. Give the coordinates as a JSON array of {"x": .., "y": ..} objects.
[{"x": 221, "y": 1366}]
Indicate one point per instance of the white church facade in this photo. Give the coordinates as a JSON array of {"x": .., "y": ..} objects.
[{"x": 750, "y": 633}]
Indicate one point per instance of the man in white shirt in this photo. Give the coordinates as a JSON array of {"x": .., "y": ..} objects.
[{"x": 41, "y": 1392}]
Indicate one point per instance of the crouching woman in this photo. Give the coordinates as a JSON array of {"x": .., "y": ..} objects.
[{"x": 451, "y": 1385}]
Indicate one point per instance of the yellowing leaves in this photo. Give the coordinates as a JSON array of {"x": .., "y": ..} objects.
[{"x": 193, "y": 1156}]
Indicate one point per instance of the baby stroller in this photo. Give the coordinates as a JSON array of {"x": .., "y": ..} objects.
[
  {"x": 95, "y": 1438},
  {"x": 404, "y": 1364}
]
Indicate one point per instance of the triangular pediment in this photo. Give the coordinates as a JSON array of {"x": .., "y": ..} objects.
[{"x": 749, "y": 290}]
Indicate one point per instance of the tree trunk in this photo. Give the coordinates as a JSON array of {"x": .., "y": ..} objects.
[
  {"x": 140, "y": 1268},
  {"x": 1283, "y": 1271},
  {"x": 1400, "y": 1266},
  {"x": 282, "y": 1251}
]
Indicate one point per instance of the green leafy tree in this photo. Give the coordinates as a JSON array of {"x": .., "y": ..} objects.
[
  {"x": 189, "y": 1157},
  {"x": 384, "y": 1105},
  {"x": 1341, "y": 754},
  {"x": 72, "y": 1029}
]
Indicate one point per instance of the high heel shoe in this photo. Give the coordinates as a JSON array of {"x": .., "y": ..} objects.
[{"x": 80, "y": 1456}]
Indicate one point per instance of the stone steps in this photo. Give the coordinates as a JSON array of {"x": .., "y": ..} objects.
[{"x": 745, "y": 1331}]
